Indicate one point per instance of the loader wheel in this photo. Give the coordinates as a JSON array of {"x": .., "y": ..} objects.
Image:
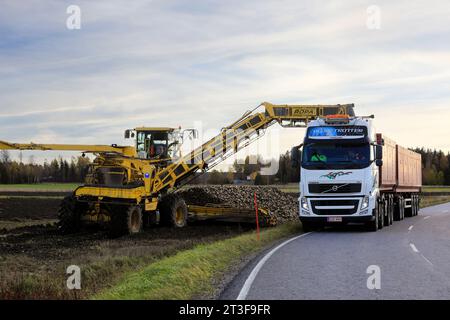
[
  {"x": 69, "y": 215},
  {"x": 126, "y": 220},
  {"x": 173, "y": 211}
]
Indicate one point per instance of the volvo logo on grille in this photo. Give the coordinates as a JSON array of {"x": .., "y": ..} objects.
[{"x": 335, "y": 188}]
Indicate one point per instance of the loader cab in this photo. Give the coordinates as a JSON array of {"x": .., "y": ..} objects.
[{"x": 153, "y": 143}]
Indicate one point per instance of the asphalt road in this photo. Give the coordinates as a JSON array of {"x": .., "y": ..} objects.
[{"x": 413, "y": 257}]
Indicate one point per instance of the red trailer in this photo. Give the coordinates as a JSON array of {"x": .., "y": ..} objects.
[{"x": 400, "y": 180}]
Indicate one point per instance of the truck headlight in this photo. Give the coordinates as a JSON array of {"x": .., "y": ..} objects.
[
  {"x": 304, "y": 203},
  {"x": 365, "y": 203}
]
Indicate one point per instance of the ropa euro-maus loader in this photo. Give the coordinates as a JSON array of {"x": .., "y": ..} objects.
[{"x": 128, "y": 187}]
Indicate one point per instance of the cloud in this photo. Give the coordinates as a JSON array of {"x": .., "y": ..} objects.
[{"x": 174, "y": 63}]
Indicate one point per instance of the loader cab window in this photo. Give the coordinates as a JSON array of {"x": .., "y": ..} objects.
[{"x": 152, "y": 144}]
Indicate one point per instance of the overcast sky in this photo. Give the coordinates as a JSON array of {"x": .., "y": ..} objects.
[{"x": 178, "y": 62}]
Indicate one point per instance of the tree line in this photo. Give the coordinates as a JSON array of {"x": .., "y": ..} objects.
[
  {"x": 58, "y": 170},
  {"x": 435, "y": 170}
]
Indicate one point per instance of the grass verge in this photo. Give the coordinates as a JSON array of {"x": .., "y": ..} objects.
[
  {"x": 192, "y": 272},
  {"x": 429, "y": 201}
]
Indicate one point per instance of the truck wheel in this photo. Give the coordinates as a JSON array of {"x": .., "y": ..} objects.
[
  {"x": 402, "y": 208},
  {"x": 69, "y": 215},
  {"x": 173, "y": 211},
  {"x": 307, "y": 227},
  {"x": 126, "y": 220},
  {"x": 416, "y": 204},
  {"x": 380, "y": 211},
  {"x": 398, "y": 209},
  {"x": 391, "y": 210},
  {"x": 387, "y": 211},
  {"x": 409, "y": 211},
  {"x": 373, "y": 225}
]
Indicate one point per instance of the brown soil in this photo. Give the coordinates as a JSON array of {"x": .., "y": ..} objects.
[
  {"x": 19, "y": 208},
  {"x": 34, "y": 258}
]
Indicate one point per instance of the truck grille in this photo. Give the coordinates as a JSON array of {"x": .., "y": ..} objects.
[
  {"x": 334, "y": 203},
  {"x": 334, "y": 187}
]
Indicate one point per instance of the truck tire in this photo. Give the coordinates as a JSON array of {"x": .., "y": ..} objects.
[
  {"x": 402, "y": 208},
  {"x": 391, "y": 209},
  {"x": 416, "y": 204},
  {"x": 126, "y": 220},
  {"x": 373, "y": 225},
  {"x": 69, "y": 215},
  {"x": 307, "y": 226},
  {"x": 380, "y": 212},
  {"x": 387, "y": 207},
  {"x": 409, "y": 211},
  {"x": 398, "y": 215},
  {"x": 173, "y": 211}
]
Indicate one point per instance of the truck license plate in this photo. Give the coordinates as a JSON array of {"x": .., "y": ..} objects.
[{"x": 334, "y": 219}]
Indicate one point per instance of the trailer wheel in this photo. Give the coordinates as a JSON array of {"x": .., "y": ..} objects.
[
  {"x": 409, "y": 211},
  {"x": 391, "y": 209},
  {"x": 397, "y": 209},
  {"x": 125, "y": 220},
  {"x": 416, "y": 204},
  {"x": 69, "y": 215},
  {"x": 387, "y": 211},
  {"x": 173, "y": 211}
]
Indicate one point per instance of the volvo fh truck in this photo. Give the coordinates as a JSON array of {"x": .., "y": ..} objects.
[{"x": 352, "y": 174}]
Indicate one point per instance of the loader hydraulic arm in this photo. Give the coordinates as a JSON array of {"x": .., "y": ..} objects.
[
  {"x": 240, "y": 134},
  {"x": 126, "y": 151}
]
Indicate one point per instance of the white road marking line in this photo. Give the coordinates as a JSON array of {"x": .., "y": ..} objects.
[
  {"x": 410, "y": 228},
  {"x": 413, "y": 247},
  {"x": 426, "y": 259},
  {"x": 427, "y": 217},
  {"x": 248, "y": 283}
]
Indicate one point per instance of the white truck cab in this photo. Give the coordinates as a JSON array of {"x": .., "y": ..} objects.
[{"x": 339, "y": 171}]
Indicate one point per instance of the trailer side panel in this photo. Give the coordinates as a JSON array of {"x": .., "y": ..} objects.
[
  {"x": 388, "y": 176},
  {"x": 409, "y": 172}
]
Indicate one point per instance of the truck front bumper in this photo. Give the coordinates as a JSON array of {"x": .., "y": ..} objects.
[{"x": 345, "y": 220}]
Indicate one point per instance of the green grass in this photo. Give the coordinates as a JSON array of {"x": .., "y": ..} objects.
[
  {"x": 429, "y": 201},
  {"x": 436, "y": 189},
  {"x": 192, "y": 273},
  {"x": 39, "y": 187}
]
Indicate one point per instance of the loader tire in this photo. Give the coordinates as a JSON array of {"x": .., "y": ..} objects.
[
  {"x": 69, "y": 215},
  {"x": 173, "y": 211},
  {"x": 125, "y": 220}
]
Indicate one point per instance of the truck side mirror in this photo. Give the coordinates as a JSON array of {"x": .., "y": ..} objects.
[
  {"x": 379, "y": 162},
  {"x": 378, "y": 152},
  {"x": 296, "y": 156},
  {"x": 127, "y": 134}
]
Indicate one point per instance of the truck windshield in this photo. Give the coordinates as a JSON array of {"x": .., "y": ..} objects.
[{"x": 337, "y": 155}]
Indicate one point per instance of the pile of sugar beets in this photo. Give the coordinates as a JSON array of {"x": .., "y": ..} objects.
[{"x": 282, "y": 205}]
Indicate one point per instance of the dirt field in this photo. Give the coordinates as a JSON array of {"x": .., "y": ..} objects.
[{"x": 34, "y": 256}]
